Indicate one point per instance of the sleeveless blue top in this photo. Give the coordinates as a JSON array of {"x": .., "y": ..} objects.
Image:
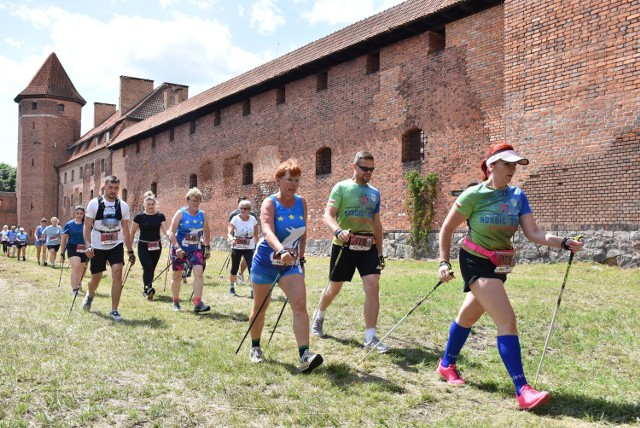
[
  {"x": 190, "y": 230},
  {"x": 289, "y": 226}
]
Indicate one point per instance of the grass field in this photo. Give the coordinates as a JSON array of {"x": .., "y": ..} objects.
[{"x": 162, "y": 368}]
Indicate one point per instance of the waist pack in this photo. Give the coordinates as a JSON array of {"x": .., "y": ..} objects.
[{"x": 504, "y": 260}]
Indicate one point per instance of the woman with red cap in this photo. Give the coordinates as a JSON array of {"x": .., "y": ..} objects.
[{"x": 494, "y": 211}]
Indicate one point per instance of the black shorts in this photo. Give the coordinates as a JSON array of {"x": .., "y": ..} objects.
[
  {"x": 71, "y": 252},
  {"x": 22, "y": 244},
  {"x": 114, "y": 256},
  {"x": 367, "y": 263},
  {"x": 55, "y": 247},
  {"x": 474, "y": 267}
]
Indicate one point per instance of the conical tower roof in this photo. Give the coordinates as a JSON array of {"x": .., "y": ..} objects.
[{"x": 53, "y": 82}]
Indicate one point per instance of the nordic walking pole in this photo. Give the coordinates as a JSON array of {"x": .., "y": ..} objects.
[
  {"x": 225, "y": 263},
  {"x": 351, "y": 302},
  {"x": 61, "y": 269},
  {"x": 555, "y": 312},
  {"x": 404, "y": 318},
  {"x": 166, "y": 271},
  {"x": 75, "y": 294},
  {"x": 126, "y": 275},
  {"x": 275, "y": 281},
  {"x": 330, "y": 275},
  {"x": 286, "y": 300}
]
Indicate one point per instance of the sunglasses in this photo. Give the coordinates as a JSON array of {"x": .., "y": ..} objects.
[
  {"x": 365, "y": 168},
  {"x": 244, "y": 209}
]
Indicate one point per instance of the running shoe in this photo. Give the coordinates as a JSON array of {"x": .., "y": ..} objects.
[
  {"x": 255, "y": 355},
  {"x": 86, "y": 303},
  {"x": 316, "y": 326},
  {"x": 115, "y": 316},
  {"x": 45, "y": 264},
  {"x": 176, "y": 306},
  {"x": 375, "y": 343},
  {"x": 530, "y": 398},
  {"x": 75, "y": 291},
  {"x": 201, "y": 307},
  {"x": 450, "y": 374},
  {"x": 149, "y": 293},
  {"x": 309, "y": 361},
  {"x": 241, "y": 279},
  {"x": 232, "y": 291}
]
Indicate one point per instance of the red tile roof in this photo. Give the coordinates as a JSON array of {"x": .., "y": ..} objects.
[
  {"x": 51, "y": 81},
  {"x": 332, "y": 44}
]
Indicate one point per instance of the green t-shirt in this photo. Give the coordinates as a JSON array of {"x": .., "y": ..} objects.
[
  {"x": 493, "y": 215},
  {"x": 357, "y": 206}
]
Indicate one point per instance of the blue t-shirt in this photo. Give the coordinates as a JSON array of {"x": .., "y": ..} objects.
[
  {"x": 12, "y": 236},
  {"x": 22, "y": 237},
  {"x": 190, "y": 230},
  {"x": 290, "y": 226},
  {"x": 75, "y": 232}
]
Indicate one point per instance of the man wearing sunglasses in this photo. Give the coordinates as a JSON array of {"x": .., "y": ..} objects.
[{"x": 353, "y": 215}]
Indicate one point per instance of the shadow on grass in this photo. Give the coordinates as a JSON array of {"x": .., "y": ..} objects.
[
  {"x": 578, "y": 406},
  {"x": 409, "y": 359},
  {"x": 152, "y": 322}
]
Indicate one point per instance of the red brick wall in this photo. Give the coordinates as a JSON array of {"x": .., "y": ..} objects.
[
  {"x": 448, "y": 93},
  {"x": 571, "y": 100},
  {"x": 43, "y": 136},
  {"x": 8, "y": 204}
]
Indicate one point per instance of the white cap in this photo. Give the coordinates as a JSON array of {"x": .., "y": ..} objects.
[{"x": 507, "y": 156}]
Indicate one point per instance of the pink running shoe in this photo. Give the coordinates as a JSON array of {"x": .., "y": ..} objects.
[
  {"x": 450, "y": 374},
  {"x": 530, "y": 398}
]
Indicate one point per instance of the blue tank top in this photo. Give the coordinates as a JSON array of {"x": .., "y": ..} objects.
[
  {"x": 190, "y": 230},
  {"x": 75, "y": 232},
  {"x": 39, "y": 231},
  {"x": 289, "y": 226}
]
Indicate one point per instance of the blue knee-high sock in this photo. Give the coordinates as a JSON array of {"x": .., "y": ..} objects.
[
  {"x": 457, "y": 336},
  {"x": 509, "y": 348}
]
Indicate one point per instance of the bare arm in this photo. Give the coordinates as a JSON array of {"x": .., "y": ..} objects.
[
  {"x": 171, "y": 233},
  {"x": 451, "y": 223},
  {"x": 126, "y": 234},
  {"x": 267, "y": 213},
  {"x": 330, "y": 219},
  {"x": 378, "y": 232},
  {"x": 206, "y": 232},
  {"x": 86, "y": 232},
  {"x": 63, "y": 244},
  {"x": 538, "y": 236}
]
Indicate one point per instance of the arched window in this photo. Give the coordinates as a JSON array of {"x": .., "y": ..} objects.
[
  {"x": 323, "y": 161},
  {"x": 93, "y": 169},
  {"x": 413, "y": 145},
  {"x": 247, "y": 173},
  {"x": 81, "y": 175},
  {"x": 154, "y": 188},
  {"x": 124, "y": 195},
  {"x": 193, "y": 181},
  {"x": 80, "y": 199},
  {"x": 91, "y": 194}
]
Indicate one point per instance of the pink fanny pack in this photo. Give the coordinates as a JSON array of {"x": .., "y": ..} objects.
[{"x": 502, "y": 259}]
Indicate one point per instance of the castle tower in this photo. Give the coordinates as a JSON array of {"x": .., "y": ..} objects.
[{"x": 49, "y": 116}]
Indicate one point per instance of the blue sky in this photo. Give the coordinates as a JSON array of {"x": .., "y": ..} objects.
[{"x": 199, "y": 43}]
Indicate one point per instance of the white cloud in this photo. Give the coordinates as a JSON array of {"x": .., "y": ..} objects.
[
  {"x": 266, "y": 15},
  {"x": 13, "y": 42},
  {"x": 340, "y": 12}
]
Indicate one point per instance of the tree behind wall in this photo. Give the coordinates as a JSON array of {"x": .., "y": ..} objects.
[{"x": 7, "y": 178}]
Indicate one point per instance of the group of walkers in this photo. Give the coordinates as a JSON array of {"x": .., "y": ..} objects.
[
  {"x": 14, "y": 242},
  {"x": 493, "y": 211}
]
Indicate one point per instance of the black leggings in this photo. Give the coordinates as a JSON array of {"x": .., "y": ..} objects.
[
  {"x": 236, "y": 256},
  {"x": 149, "y": 261}
]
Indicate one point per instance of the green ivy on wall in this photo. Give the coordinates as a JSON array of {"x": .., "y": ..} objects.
[{"x": 422, "y": 194}]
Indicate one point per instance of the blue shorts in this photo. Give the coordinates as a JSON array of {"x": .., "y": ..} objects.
[
  {"x": 39, "y": 243},
  {"x": 266, "y": 274}
]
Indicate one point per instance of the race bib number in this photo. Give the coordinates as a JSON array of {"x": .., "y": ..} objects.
[
  {"x": 192, "y": 239},
  {"x": 360, "y": 242},
  {"x": 153, "y": 245},
  {"x": 108, "y": 238},
  {"x": 277, "y": 258},
  {"x": 81, "y": 248},
  {"x": 242, "y": 243},
  {"x": 504, "y": 261}
]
